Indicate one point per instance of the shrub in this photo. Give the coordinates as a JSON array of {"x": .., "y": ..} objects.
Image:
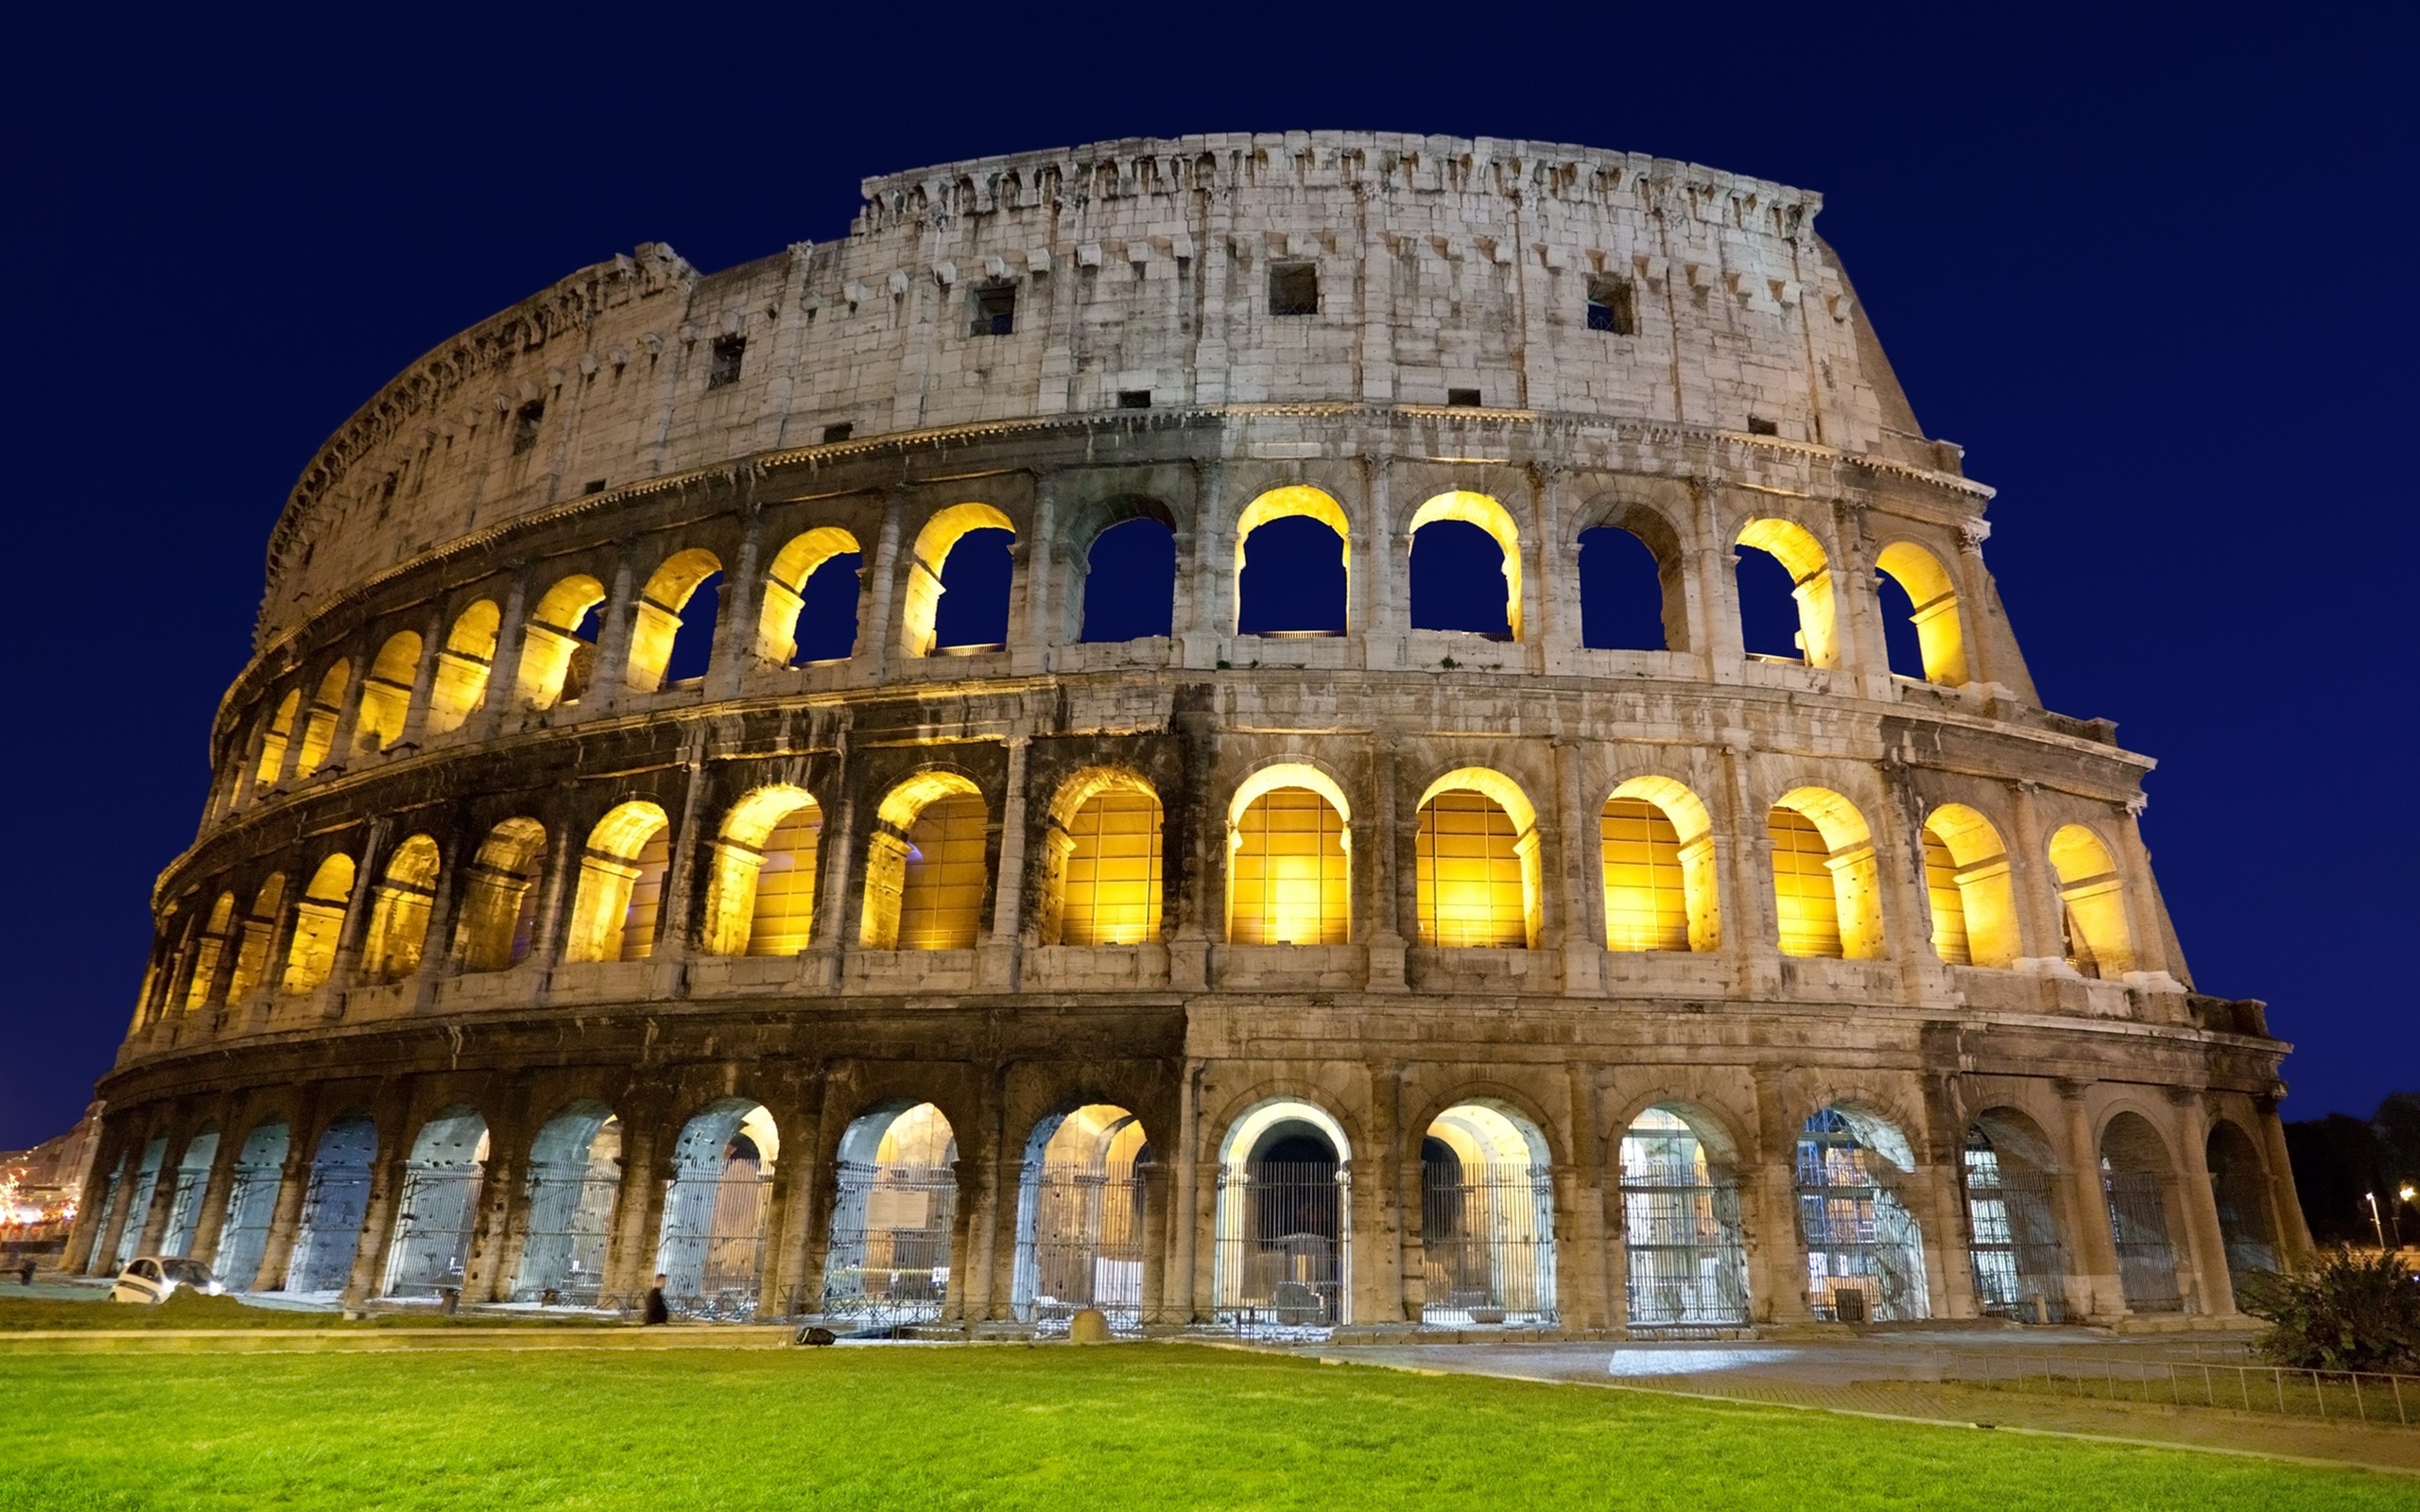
[{"x": 2350, "y": 1311}]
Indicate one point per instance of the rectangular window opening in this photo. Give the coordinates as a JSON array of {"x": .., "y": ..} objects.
[
  {"x": 1134, "y": 399},
  {"x": 1611, "y": 307},
  {"x": 728, "y": 352},
  {"x": 1294, "y": 288},
  {"x": 1762, "y": 427},
  {"x": 1462, "y": 397},
  {"x": 995, "y": 310},
  {"x": 593, "y": 486},
  {"x": 836, "y": 433},
  {"x": 525, "y": 422}
]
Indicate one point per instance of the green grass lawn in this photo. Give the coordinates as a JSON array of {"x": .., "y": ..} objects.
[{"x": 1142, "y": 1426}]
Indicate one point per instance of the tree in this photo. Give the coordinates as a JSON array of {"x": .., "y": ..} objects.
[{"x": 2351, "y": 1312}]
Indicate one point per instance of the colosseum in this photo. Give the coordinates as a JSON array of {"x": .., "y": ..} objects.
[{"x": 695, "y": 807}]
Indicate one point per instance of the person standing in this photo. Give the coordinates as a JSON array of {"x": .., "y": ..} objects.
[{"x": 656, "y": 1310}]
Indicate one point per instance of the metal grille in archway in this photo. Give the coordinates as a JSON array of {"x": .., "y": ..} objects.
[
  {"x": 563, "y": 1254},
  {"x": 1487, "y": 1244},
  {"x": 251, "y": 1202},
  {"x": 2019, "y": 1264},
  {"x": 1282, "y": 1259},
  {"x": 1681, "y": 1229},
  {"x": 891, "y": 1233},
  {"x": 332, "y": 1206},
  {"x": 433, "y": 1221},
  {"x": 1086, "y": 1248},
  {"x": 713, "y": 1249},
  {"x": 1860, "y": 1236},
  {"x": 2139, "y": 1222}
]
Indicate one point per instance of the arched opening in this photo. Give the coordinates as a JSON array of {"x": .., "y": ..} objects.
[
  {"x": 574, "y": 1176},
  {"x": 1129, "y": 582},
  {"x": 439, "y": 1206},
  {"x": 760, "y": 893},
  {"x": 712, "y": 1252},
  {"x": 559, "y": 645},
  {"x": 926, "y": 866},
  {"x": 1283, "y": 1253},
  {"x": 1920, "y": 616},
  {"x": 811, "y": 599},
  {"x": 1476, "y": 848},
  {"x": 621, "y": 885},
  {"x": 386, "y": 694},
  {"x": 894, "y": 1209},
  {"x": 138, "y": 1209},
  {"x": 1865, "y": 1259},
  {"x": 184, "y": 1198},
  {"x": 461, "y": 682},
  {"x": 1103, "y": 884},
  {"x": 320, "y": 720},
  {"x": 2092, "y": 898},
  {"x": 1080, "y": 1217},
  {"x": 1285, "y": 542},
  {"x": 334, "y": 1202},
  {"x": 500, "y": 897},
  {"x": 2013, "y": 1231},
  {"x": 215, "y": 931},
  {"x": 1826, "y": 894},
  {"x": 273, "y": 739},
  {"x": 1621, "y": 593},
  {"x": 671, "y": 642},
  {"x": 1656, "y": 842},
  {"x": 2136, "y": 1180},
  {"x": 399, "y": 911},
  {"x": 102, "y": 1261},
  {"x": 1466, "y": 567},
  {"x": 2239, "y": 1186},
  {"x": 1287, "y": 878},
  {"x": 253, "y": 1186},
  {"x": 260, "y": 932},
  {"x": 1799, "y": 629},
  {"x": 1687, "y": 1263},
  {"x": 1486, "y": 1220},
  {"x": 318, "y": 922},
  {"x": 980, "y": 575},
  {"x": 1966, "y": 882}
]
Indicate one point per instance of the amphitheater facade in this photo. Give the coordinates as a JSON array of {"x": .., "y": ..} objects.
[{"x": 564, "y": 913}]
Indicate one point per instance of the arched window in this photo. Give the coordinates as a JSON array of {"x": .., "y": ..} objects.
[
  {"x": 2012, "y": 1203},
  {"x": 273, "y": 739},
  {"x": 984, "y": 620},
  {"x": 386, "y": 694},
  {"x": 2137, "y": 1182},
  {"x": 1486, "y": 1220},
  {"x": 1966, "y": 880},
  {"x": 1762, "y": 617},
  {"x": 574, "y": 1175},
  {"x": 1287, "y": 878},
  {"x": 1932, "y": 614},
  {"x": 318, "y": 921},
  {"x": 260, "y": 932},
  {"x": 2093, "y": 901},
  {"x": 1477, "y": 850},
  {"x": 1289, "y": 590},
  {"x": 925, "y": 866},
  {"x": 1104, "y": 879},
  {"x": 1621, "y": 593},
  {"x": 399, "y": 911},
  {"x": 894, "y": 1207},
  {"x": 1080, "y": 1217},
  {"x": 320, "y": 720},
  {"x": 1452, "y": 586},
  {"x": 660, "y": 632},
  {"x": 1130, "y": 581},
  {"x": 1857, "y": 1230},
  {"x": 621, "y": 885},
  {"x": 334, "y": 1204},
  {"x": 1284, "y": 1221},
  {"x": 1659, "y": 850},
  {"x": 1689, "y": 1263},
  {"x": 213, "y": 949},
  {"x": 811, "y": 599},
  {"x": 440, "y": 1206},
  {"x": 559, "y": 645},
  {"x": 1826, "y": 896},
  {"x": 760, "y": 897},
  {"x": 500, "y": 897},
  {"x": 461, "y": 683}
]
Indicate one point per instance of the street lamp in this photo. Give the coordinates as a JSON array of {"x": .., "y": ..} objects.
[{"x": 2375, "y": 1222}]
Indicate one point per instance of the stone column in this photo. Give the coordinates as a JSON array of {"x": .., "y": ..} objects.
[
  {"x": 1384, "y": 892},
  {"x": 1584, "y": 1189},
  {"x": 1200, "y": 827},
  {"x": 1974, "y": 593},
  {"x": 1715, "y": 568},
  {"x": 564, "y": 848},
  {"x": 980, "y": 1170},
  {"x": 877, "y": 605},
  {"x": 1750, "y": 930},
  {"x": 501, "y": 1227},
  {"x": 1207, "y": 561},
  {"x": 1380, "y": 1198},
  {"x": 2036, "y": 886},
  {"x": 502, "y": 696},
  {"x": 2294, "y": 1245},
  {"x": 432, "y": 641},
  {"x": 1550, "y": 579},
  {"x": 677, "y": 927},
  {"x": 2206, "y": 1243},
  {"x": 1776, "y": 1253},
  {"x": 2143, "y": 921},
  {"x": 285, "y": 1218},
  {"x": 212, "y": 1219},
  {"x": 1576, "y": 848},
  {"x": 1186, "y": 1162},
  {"x": 386, "y": 1178},
  {"x": 1942, "y": 1180},
  {"x": 2095, "y": 1247},
  {"x": 1907, "y": 914},
  {"x": 163, "y": 1192},
  {"x": 787, "y": 1277},
  {"x": 357, "y": 907},
  {"x": 1034, "y": 591},
  {"x": 1378, "y": 604},
  {"x": 735, "y": 620},
  {"x": 1156, "y": 1213},
  {"x": 997, "y": 956},
  {"x": 608, "y": 681}
]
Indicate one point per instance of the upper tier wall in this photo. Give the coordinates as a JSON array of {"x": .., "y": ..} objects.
[{"x": 1138, "y": 267}]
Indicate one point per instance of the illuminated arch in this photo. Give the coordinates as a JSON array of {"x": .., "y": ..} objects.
[
  {"x": 1289, "y": 859},
  {"x": 1657, "y": 848},
  {"x": 500, "y": 897},
  {"x": 320, "y": 720},
  {"x": 2098, "y": 940},
  {"x": 621, "y": 885},
  {"x": 2014, "y": 1250},
  {"x": 1681, "y": 1224},
  {"x": 575, "y": 1177},
  {"x": 1852, "y": 1171},
  {"x": 440, "y": 1206},
  {"x": 894, "y": 1210},
  {"x": 1283, "y": 1229},
  {"x": 2138, "y": 1183},
  {"x": 318, "y": 921},
  {"x": 552, "y": 669},
  {"x": 785, "y": 588},
  {"x": 926, "y": 866},
  {"x": 461, "y": 682},
  {"x": 1476, "y": 846},
  {"x": 260, "y": 932},
  {"x": 1939, "y": 634},
  {"x": 386, "y": 694},
  {"x": 1811, "y": 575},
  {"x": 399, "y": 911},
  {"x": 940, "y": 535},
  {"x": 1285, "y": 503},
  {"x": 1489, "y": 515},
  {"x": 215, "y": 935},
  {"x": 760, "y": 885},
  {"x": 1080, "y": 1232},
  {"x": 278, "y": 731},
  {"x": 1486, "y": 1218},
  {"x": 711, "y": 1247},
  {"x": 1966, "y": 880},
  {"x": 656, "y": 619},
  {"x": 1827, "y": 894},
  {"x": 1103, "y": 877}
]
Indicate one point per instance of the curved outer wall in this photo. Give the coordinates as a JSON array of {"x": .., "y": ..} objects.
[{"x": 640, "y": 409}]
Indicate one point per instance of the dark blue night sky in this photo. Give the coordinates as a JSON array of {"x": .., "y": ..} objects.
[{"x": 2153, "y": 272}]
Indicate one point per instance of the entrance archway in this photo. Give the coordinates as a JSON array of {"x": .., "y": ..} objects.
[
  {"x": 2240, "y": 1188},
  {"x": 894, "y": 1209},
  {"x": 439, "y": 1205},
  {"x": 574, "y": 1176},
  {"x": 1080, "y": 1217},
  {"x": 1688, "y": 1265},
  {"x": 184, "y": 1203},
  {"x": 1486, "y": 1219},
  {"x": 2013, "y": 1233},
  {"x": 711, "y": 1251},
  {"x": 333, "y": 1206},
  {"x": 1862, "y": 1240},
  {"x": 1283, "y": 1253},
  {"x": 252, "y": 1203},
  {"x": 2136, "y": 1182}
]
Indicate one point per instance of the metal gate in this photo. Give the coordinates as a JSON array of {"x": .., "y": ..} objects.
[
  {"x": 2242, "y": 1202},
  {"x": 890, "y": 1231},
  {"x": 1681, "y": 1228},
  {"x": 1487, "y": 1244},
  {"x": 184, "y": 1203},
  {"x": 2019, "y": 1264},
  {"x": 100, "y": 1264},
  {"x": 1281, "y": 1244},
  {"x": 1860, "y": 1236},
  {"x": 330, "y": 1232},
  {"x": 562, "y": 1250},
  {"x": 1083, "y": 1244},
  {"x": 2139, "y": 1222},
  {"x": 252, "y": 1203},
  {"x": 713, "y": 1253},
  {"x": 433, "y": 1223}
]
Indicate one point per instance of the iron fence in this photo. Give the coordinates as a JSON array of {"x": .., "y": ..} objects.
[
  {"x": 2019, "y": 1264},
  {"x": 2329, "y": 1395},
  {"x": 1280, "y": 1248},
  {"x": 889, "y": 1259},
  {"x": 562, "y": 1252},
  {"x": 1487, "y": 1245},
  {"x": 432, "y": 1245},
  {"x": 1083, "y": 1245},
  {"x": 2145, "y": 1255},
  {"x": 1688, "y": 1268}
]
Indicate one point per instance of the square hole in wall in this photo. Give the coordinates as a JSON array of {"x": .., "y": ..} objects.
[
  {"x": 525, "y": 422},
  {"x": 1134, "y": 399},
  {"x": 593, "y": 486},
  {"x": 1294, "y": 288},
  {"x": 723, "y": 369},
  {"x": 995, "y": 310},
  {"x": 1762, "y": 427},
  {"x": 1462, "y": 397},
  {"x": 1611, "y": 307},
  {"x": 836, "y": 433}
]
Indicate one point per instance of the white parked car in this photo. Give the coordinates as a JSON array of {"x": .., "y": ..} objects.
[{"x": 154, "y": 1278}]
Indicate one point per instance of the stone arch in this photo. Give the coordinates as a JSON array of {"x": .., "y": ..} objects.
[
  {"x": 1860, "y": 1236},
  {"x": 1079, "y": 1233},
  {"x": 894, "y": 1214},
  {"x": 1811, "y": 575},
  {"x": 252, "y": 1184},
  {"x": 500, "y": 897},
  {"x": 1827, "y": 895},
  {"x": 1686, "y": 1260},
  {"x": 275, "y": 732},
  {"x": 1486, "y": 1217},
  {"x": 1655, "y": 841},
  {"x": 1289, "y": 858},
  {"x": 386, "y": 694},
  {"x": 785, "y": 583},
  {"x": 2011, "y": 1171},
  {"x": 1656, "y": 528},
  {"x": 926, "y": 865},
  {"x": 2138, "y": 1181},
  {"x": 399, "y": 911},
  {"x": 1102, "y": 865},
  {"x": 1477, "y": 881},
  {"x": 1488, "y": 514},
  {"x": 760, "y": 882},
  {"x": 1940, "y": 637},
  {"x": 439, "y": 1204},
  {"x": 2240, "y": 1187},
  {"x": 184, "y": 1198},
  {"x": 575, "y": 1182},
  {"x": 2092, "y": 898},
  {"x": 1283, "y": 1228},
  {"x": 1967, "y": 886},
  {"x": 621, "y": 885},
  {"x": 216, "y": 929},
  {"x": 1122, "y": 515},
  {"x": 335, "y": 1200},
  {"x": 656, "y": 619},
  {"x": 557, "y": 661},
  {"x": 460, "y": 683},
  {"x": 934, "y": 542},
  {"x": 259, "y": 933},
  {"x": 318, "y": 922},
  {"x": 710, "y": 1247},
  {"x": 1294, "y": 501},
  {"x": 319, "y": 719}
]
